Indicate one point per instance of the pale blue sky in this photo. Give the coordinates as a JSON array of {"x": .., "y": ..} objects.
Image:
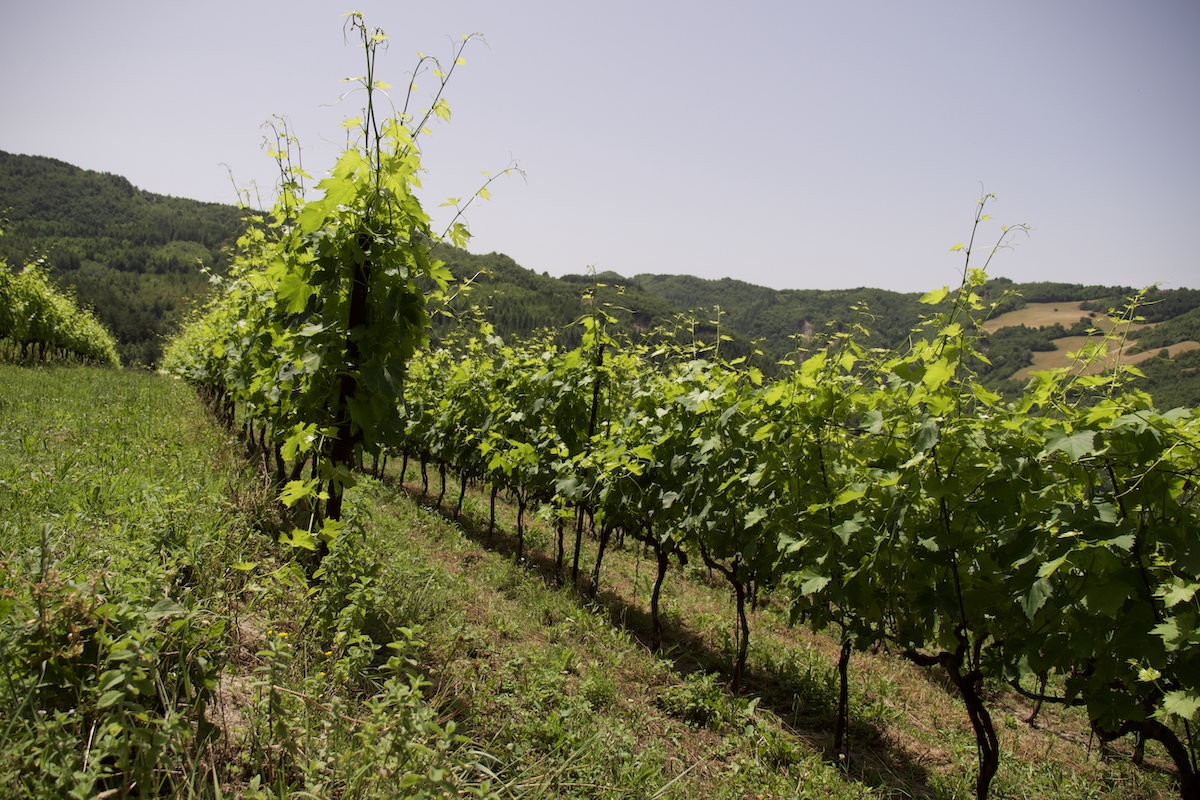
[{"x": 789, "y": 144}]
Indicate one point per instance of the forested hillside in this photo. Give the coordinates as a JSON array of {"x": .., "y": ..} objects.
[
  {"x": 132, "y": 256},
  {"x": 1167, "y": 319},
  {"x": 518, "y": 303},
  {"x": 135, "y": 258}
]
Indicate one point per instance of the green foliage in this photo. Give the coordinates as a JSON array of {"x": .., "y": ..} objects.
[
  {"x": 325, "y": 304},
  {"x": 699, "y": 699},
  {"x": 1172, "y": 382},
  {"x": 598, "y": 687},
  {"x": 1162, "y": 305},
  {"x": 891, "y": 494},
  {"x": 40, "y": 324},
  {"x": 114, "y": 521},
  {"x": 1179, "y": 328},
  {"x": 1158, "y": 305},
  {"x": 1057, "y": 292},
  {"x": 361, "y": 727},
  {"x": 125, "y": 673}
]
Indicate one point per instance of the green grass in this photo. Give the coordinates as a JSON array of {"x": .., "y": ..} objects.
[
  {"x": 95, "y": 462},
  {"x": 118, "y": 532},
  {"x": 157, "y": 641},
  {"x": 521, "y": 656}
]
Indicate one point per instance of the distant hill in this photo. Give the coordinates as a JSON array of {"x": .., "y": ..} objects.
[
  {"x": 131, "y": 256},
  {"x": 1163, "y": 341},
  {"x": 520, "y": 302},
  {"x": 776, "y": 317},
  {"x": 135, "y": 258},
  {"x": 1036, "y": 325}
]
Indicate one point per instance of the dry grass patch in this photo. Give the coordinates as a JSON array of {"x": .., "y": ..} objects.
[
  {"x": 1039, "y": 315},
  {"x": 1068, "y": 346}
]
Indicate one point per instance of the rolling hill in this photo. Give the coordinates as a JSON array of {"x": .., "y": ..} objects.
[{"x": 136, "y": 259}]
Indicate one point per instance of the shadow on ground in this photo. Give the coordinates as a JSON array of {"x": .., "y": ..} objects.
[{"x": 874, "y": 760}]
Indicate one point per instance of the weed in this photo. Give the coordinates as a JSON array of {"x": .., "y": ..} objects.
[
  {"x": 124, "y": 674},
  {"x": 699, "y": 699},
  {"x": 598, "y": 687}
]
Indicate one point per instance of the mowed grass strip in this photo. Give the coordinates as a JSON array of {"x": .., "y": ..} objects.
[
  {"x": 566, "y": 683},
  {"x": 1038, "y": 315}
]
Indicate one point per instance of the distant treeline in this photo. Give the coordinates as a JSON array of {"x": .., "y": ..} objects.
[{"x": 135, "y": 258}]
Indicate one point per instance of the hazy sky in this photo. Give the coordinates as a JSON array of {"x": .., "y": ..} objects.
[{"x": 789, "y": 144}]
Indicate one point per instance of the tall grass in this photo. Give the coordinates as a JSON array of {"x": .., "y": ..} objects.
[
  {"x": 153, "y": 642},
  {"x": 117, "y": 520}
]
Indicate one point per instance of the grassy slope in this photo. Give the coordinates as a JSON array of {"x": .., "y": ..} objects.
[
  {"x": 118, "y": 533},
  {"x": 557, "y": 693},
  {"x": 145, "y": 618},
  {"x": 93, "y": 461},
  {"x": 546, "y": 672},
  {"x": 1036, "y": 315}
]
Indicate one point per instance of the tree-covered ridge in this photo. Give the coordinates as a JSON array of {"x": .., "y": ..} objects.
[
  {"x": 518, "y": 302},
  {"x": 775, "y": 317},
  {"x": 52, "y": 198},
  {"x": 135, "y": 257},
  {"x": 132, "y": 256},
  {"x": 1172, "y": 382},
  {"x": 1175, "y": 329}
]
